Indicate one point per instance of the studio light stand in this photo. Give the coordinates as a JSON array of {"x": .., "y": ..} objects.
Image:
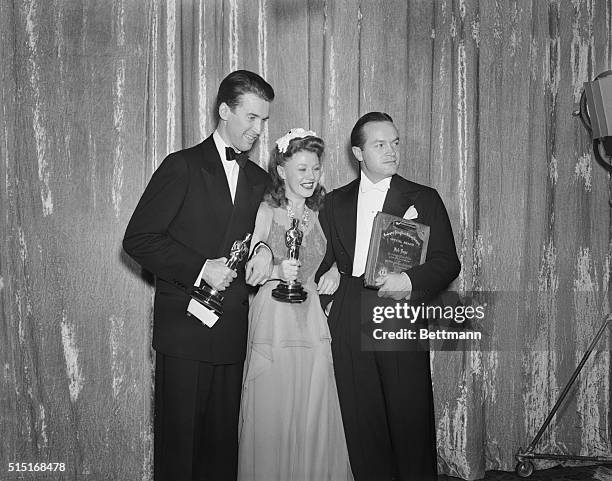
[{"x": 596, "y": 99}]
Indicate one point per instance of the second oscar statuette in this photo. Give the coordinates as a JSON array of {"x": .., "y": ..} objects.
[
  {"x": 292, "y": 291},
  {"x": 208, "y": 296}
]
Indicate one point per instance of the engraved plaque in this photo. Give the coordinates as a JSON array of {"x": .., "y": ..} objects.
[{"x": 396, "y": 245}]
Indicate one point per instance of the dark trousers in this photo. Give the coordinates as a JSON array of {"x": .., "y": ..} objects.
[
  {"x": 386, "y": 400},
  {"x": 197, "y": 406}
]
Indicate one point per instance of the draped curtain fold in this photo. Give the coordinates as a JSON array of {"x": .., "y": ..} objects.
[{"x": 96, "y": 94}]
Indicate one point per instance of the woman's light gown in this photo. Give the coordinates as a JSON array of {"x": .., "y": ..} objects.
[{"x": 290, "y": 422}]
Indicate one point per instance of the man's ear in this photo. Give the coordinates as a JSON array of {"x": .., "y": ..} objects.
[
  {"x": 358, "y": 153},
  {"x": 224, "y": 111}
]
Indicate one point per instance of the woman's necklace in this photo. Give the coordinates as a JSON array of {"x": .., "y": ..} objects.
[{"x": 305, "y": 216}]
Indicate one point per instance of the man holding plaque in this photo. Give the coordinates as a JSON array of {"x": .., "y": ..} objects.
[
  {"x": 385, "y": 397},
  {"x": 197, "y": 204}
]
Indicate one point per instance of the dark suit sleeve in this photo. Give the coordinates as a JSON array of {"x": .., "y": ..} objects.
[
  {"x": 329, "y": 258},
  {"x": 324, "y": 220},
  {"x": 147, "y": 238},
  {"x": 441, "y": 265}
]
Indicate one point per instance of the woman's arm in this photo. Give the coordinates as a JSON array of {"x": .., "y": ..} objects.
[{"x": 259, "y": 266}]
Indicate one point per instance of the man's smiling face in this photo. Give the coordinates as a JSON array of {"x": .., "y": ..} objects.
[{"x": 243, "y": 124}]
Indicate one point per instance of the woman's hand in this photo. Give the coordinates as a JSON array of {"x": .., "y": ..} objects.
[
  {"x": 288, "y": 270},
  {"x": 259, "y": 267}
]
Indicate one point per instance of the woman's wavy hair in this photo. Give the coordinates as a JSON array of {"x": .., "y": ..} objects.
[{"x": 275, "y": 194}]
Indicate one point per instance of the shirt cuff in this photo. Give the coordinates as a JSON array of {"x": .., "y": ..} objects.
[
  {"x": 409, "y": 281},
  {"x": 198, "y": 281}
]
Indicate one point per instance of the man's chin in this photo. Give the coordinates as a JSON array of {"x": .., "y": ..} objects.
[{"x": 247, "y": 145}]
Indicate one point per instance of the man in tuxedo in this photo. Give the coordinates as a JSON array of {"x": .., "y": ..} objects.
[
  {"x": 385, "y": 397},
  {"x": 197, "y": 203}
]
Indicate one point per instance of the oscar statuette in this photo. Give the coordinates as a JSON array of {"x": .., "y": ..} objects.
[
  {"x": 292, "y": 291},
  {"x": 212, "y": 298}
]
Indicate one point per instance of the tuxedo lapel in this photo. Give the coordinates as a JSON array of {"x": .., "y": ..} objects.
[
  {"x": 397, "y": 199},
  {"x": 216, "y": 187},
  {"x": 243, "y": 188},
  {"x": 241, "y": 210},
  {"x": 345, "y": 216}
]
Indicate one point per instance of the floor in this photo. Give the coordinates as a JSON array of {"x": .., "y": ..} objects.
[{"x": 596, "y": 473}]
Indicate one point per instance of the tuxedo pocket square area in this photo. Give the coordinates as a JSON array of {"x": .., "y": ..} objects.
[{"x": 411, "y": 213}]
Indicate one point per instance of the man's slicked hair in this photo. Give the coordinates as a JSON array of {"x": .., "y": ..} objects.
[
  {"x": 242, "y": 82},
  {"x": 357, "y": 139}
]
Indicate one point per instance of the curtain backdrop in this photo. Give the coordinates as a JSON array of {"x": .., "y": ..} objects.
[{"x": 96, "y": 93}]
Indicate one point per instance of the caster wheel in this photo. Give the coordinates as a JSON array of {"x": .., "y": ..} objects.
[{"x": 524, "y": 469}]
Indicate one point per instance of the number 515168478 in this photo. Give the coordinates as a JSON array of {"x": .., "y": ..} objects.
[{"x": 36, "y": 467}]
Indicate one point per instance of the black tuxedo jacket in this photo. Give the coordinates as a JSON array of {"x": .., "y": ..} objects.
[
  {"x": 184, "y": 217},
  {"x": 339, "y": 222}
]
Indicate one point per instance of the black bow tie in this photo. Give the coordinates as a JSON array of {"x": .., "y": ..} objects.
[{"x": 240, "y": 158}]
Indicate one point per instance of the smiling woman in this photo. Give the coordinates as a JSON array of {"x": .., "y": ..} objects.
[
  {"x": 291, "y": 426},
  {"x": 296, "y": 157},
  {"x": 301, "y": 174}
]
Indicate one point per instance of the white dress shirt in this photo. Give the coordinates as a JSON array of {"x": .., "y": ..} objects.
[
  {"x": 230, "y": 167},
  {"x": 370, "y": 201}
]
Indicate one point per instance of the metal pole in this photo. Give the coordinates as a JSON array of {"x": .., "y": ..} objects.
[{"x": 570, "y": 383}]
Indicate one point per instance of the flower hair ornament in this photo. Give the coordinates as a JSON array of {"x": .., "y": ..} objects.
[{"x": 299, "y": 133}]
